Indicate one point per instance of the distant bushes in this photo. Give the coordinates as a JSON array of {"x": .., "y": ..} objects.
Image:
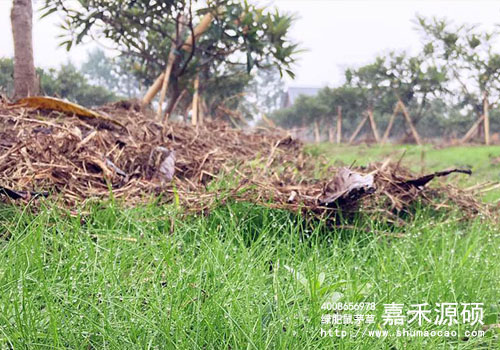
[{"x": 65, "y": 82}]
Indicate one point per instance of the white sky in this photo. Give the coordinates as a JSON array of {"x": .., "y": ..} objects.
[{"x": 336, "y": 34}]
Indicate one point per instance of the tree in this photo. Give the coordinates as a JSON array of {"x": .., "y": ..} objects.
[
  {"x": 68, "y": 83},
  {"x": 240, "y": 34},
  {"x": 25, "y": 81},
  {"x": 411, "y": 79},
  {"x": 65, "y": 82},
  {"x": 473, "y": 64},
  {"x": 114, "y": 74},
  {"x": 376, "y": 88},
  {"x": 265, "y": 91},
  {"x": 305, "y": 110},
  {"x": 7, "y": 76}
]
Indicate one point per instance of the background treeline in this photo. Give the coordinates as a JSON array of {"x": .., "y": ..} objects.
[
  {"x": 99, "y": 80},
  {"x": 445, "y": 87}
]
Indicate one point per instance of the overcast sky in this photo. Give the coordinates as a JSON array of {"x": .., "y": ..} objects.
[{"x": 335, "y": 34}]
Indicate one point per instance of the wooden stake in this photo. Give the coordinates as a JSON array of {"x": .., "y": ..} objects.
[
  {"x": 194, "y": 116},
  {"x": 316, "y": 132},
  {"x": 408, "y": 120},
  {"x": 471, "y": 131},
  {"x": 339, "y": 124},
  {"x": 373, "y": 125},
  {"x": 486, "y": 119},
  {"x": 201, "y": 111},
  {"x": 268, "y": 121},
  {"x": 358, "y": 129},
  {"x": 331, "y": 134},
  {"x": 391, "y": 121},
  {"x": 153, "y": 89}
]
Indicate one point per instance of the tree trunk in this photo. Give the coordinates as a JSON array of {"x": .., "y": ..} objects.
[
  {"x": 25, "y": 80},
  {"x": 173, "y": 95}
]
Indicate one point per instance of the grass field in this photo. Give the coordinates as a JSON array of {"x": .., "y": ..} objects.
[{"x": 243, "y": 277}]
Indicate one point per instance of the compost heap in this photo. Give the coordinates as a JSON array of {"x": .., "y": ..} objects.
[{"x": 125, "y": 153}]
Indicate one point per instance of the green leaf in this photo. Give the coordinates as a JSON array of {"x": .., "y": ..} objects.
[
  {"x": 290, "y": 73},
  {"x": 48, "y": 12},
  {"x": 250, "y": 61}
]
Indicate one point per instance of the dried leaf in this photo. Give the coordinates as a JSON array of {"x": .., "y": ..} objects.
[
  {"x": 167, "y": 167},
  {"x": 55, "y": 104},
  {"x": 347, "y": 184}
]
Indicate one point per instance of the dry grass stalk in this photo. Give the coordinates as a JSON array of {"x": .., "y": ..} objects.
[{"x": 79, "y": 159}]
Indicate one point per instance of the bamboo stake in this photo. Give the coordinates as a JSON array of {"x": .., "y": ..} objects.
[
  {"x": 201, "y": 110},
  {"x": 339, "y": 124},
  {"x": 316, "y": 132},
  {"x": 358, "y": 129},
  {"x": 331, "y": 134},
  {"x": 188, "y": 44},
  {"x": 199, "y": 30},
  {"x": 153, "y": 89},
  {"x": 268, "y": 121},
  {"x": 471, "y": 131},
  {"x": 166, "y": 80},
  {"x": 408, "y": 120},
  {"x": 373, "y": 125},
  {"x": 391, "y": 121},
  {"x": 194, "y": 116},
  {"x": 486, "y": 119},
  {"x": 170, "y": 63}
]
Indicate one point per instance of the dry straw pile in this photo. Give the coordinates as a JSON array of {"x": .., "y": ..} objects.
[{"x": 74, "y": 158}]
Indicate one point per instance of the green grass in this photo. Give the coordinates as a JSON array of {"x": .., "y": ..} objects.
[
  {"x": 120, "y": 279},
  {"x": 241, "y": 277}
]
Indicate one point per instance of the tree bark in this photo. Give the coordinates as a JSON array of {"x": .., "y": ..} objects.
[
  {"x": 174, "y": 95},
  {"x": 25, "y": 80}
]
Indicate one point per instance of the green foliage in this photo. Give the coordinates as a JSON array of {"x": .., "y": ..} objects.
[
  {"x": 314, "y": 288},
  {"x": 443, "y": 86},
  {"x": 6, "y": 76},
  {"x": 241, "y": 34},
  {"x": 226, "y": 91},
  {"x": 469, "y": 54},
  {"x": 114, "y": 74},
  {"x": 66, "y": 82}
]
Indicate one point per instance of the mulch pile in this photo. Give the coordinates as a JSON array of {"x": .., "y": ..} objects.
[{"x": 75, "y": 159}]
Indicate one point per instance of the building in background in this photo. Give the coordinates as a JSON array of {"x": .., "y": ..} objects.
[{"x": 294, "y": 92}]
